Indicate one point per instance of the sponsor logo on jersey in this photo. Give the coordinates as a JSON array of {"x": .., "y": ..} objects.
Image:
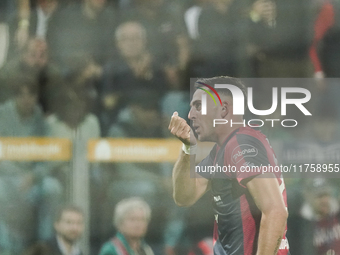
[{"x": 243, "y": 151}]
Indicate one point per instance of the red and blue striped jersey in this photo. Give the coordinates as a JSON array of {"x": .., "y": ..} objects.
[{"x": 237, "y": 218}]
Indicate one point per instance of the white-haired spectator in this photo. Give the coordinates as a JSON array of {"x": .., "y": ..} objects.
[
  {"x": 131, "y": 218},
  {"x": 135, "y": 68}
]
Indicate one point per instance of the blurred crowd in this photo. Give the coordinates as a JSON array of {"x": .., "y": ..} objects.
[{"x": 82, "y": 69}]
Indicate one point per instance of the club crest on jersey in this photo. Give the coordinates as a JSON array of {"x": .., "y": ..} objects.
[{"x": 243, "y": 151}]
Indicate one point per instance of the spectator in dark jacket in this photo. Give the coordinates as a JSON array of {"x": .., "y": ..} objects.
[{"x": 69, "y": 227}]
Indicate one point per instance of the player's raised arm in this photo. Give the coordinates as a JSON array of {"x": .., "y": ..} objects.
[{"x": 186, "y": 190}]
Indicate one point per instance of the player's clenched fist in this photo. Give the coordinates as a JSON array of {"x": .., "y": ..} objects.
[{"x": 179, "y": 128}]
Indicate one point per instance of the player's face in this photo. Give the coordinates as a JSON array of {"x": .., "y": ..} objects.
[
  {"x": 203, "y": 124},
  {"x": 70, "y": 226},
  {"x": 134, "y": 224}
]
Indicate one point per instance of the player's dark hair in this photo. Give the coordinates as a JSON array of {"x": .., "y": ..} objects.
[
  {"x": 67, "y": 208},
  {"x": 222, "y": 80}
]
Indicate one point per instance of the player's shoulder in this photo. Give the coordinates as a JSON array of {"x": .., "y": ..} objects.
[
  {"x": 247, "y": 135},
  {"x": 251, "y": 132},
  {"x": 247, "y": 141},
  {"x": 248, "y": 144}
]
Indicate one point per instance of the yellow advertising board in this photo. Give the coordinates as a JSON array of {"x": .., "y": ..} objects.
[
  {"x": 133, "y": 150},
  {"x": 139, "y": 150},
  {"x": 35, "y": 149}
]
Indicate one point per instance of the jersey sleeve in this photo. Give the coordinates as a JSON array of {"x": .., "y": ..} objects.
[{"x": 248, "y": 154}]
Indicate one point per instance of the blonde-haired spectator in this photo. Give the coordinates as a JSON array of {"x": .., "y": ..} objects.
[{"x": 131, "y": 218}]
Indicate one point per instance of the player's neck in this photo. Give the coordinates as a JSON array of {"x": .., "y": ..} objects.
[{"x": 224, "y": 135}]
